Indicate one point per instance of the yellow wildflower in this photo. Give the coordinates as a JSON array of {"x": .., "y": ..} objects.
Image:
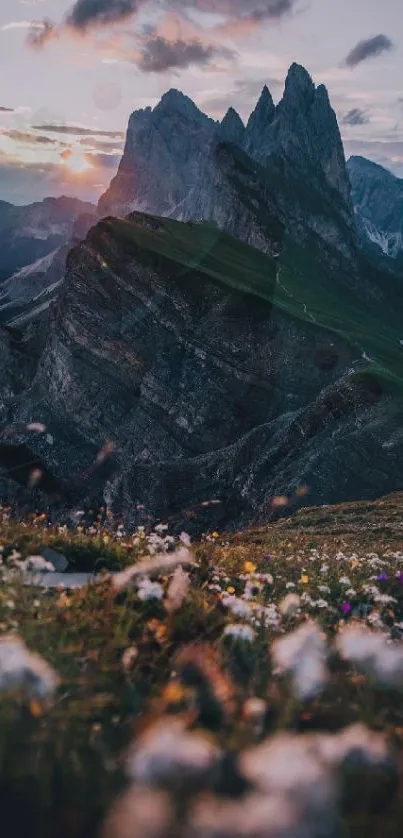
[{"x": 249, "y": 567}]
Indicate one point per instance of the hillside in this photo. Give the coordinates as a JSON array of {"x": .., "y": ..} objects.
[{"x": 125, "y": 661}]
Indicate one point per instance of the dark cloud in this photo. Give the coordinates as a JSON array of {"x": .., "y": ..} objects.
[
  {"x": 87, "y": 13},
  {"x": 159, "y": 55},
  {"x": 6, "y": 110},
  {"x": 355, "y": 117},
  {"x": 27, "y": 138},
  {"x": 369, "y": 48},
  {"x": 257, "y": 10},
  {"x": 78, "y": 131},
  {"x": 40, "y": 34}
]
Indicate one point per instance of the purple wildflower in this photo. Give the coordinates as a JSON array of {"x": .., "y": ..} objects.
[
  {"x": 399, "y": 576},
  {"x": 346, "y": 608},
  {"x": 383, "y": 577}
]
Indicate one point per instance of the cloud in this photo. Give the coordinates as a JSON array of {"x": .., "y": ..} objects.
[
  {"x": 6, "y": 110},
  {"x": 22, "y": 183},
  {"x": 87, "y": 13},
  {"x": 40, "y": 34},
  {"x": 159, "y": 54},
  {"x": 257, "y": 10},
  {"x": 356, "y": 116},
  {"x": 104, "y": 161},
  {"x": 100, "y": 145},
  {"x": 78, "y": 131},
  {"x": 27, "y": 138},
  {"x": 369, "y": 48}
]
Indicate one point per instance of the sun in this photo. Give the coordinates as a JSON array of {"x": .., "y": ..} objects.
[{"x": 77, "y": 163}]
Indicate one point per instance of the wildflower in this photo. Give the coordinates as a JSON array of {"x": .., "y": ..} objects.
[
  {"x": 372, "y": 652},
  {"x": 399, "y": 576},
  {"x": 356, "y": 743},
  {"x": 145, "y": 812},
  {"x": 185, "y": 539},
  {"x": 304, "y": 579},
  {"x": 230, "y": 590},
  {"x": 346, "y": 608},
  {"x": 149, "y": 590},
  {"x": 254, "y": 709},
  {"x": 249, "y": 567},
  {"x": 167, "y": 754},
  {"x": 177, "y": 590},
  {"x": 302, "y": 655},
  {"x": 149, "y": 567},
  {"x": 240, "y": 632},
  {"x": 290, "y": 586},
  {"x": 238, "y": 607},
  {"x": 129, "y": 656},
  {"x": 324, "y": 589},
  {"x": 290, "y": 766},
  {"x": 22, "y": 669},
  {"x": 290, "y": 605},
  {"x": 252, "y": 589},
  {"x": 344, "y": 580},
  {"x": 324, "y": 569},
  {"x": 383, "y": 577}
]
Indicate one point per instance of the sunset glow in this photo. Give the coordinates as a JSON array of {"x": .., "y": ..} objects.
[{"x": 77, "y": 163}]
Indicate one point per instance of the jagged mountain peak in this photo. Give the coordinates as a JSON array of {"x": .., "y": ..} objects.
[
  {"x": 263, "y": 112},
  {"x": 299, "y": 88},
  {"x": 232, "y": 128},
  {"x": 177, "y": 102}
]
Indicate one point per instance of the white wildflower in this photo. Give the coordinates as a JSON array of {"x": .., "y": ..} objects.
[
  {"x": 351, "y": 592},
  {"x": 290, "y": 605},
  {"x": 240, "y": 632},
  {"x": 302, "y": 655},
  {"x": 252, "y": 589},
  {"x": 344, "y": 580},
  {"x": 167, "y": 753},
  {"x": 22, "y": 669},
  {"x": 324, "y": 589},
  {"x": 238, "y": 607},
  {"x": 324, "y": 569},
  {"x": 177, "y": 590},
  {"x": 185, "y": 539},
  {"x": 290, "y": 586},
  {"x": 291, "y": 766},
  {"x": 356, "y": 743},
  {"x": 373, "y": 652},
  {"x": 149, "y": 590},
  {"x": 151, "y": 567}
]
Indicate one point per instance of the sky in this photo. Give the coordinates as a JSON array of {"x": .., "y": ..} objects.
[{"x": 72, "y": 71}]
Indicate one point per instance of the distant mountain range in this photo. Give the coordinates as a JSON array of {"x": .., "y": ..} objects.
[
  {"x": 378, "y": 202},
  {"x": 223, "y": 325}
]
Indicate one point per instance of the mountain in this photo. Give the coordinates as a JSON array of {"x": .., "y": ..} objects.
[
  {"x": 219, "y": 372},
  {"x": 378, "y": 202},
  {"x": 29, "y": 233},
  {"x": 234, "y": 341},
  {"x": 28, "y": 293},
  {"x": 174, "y": 157}
]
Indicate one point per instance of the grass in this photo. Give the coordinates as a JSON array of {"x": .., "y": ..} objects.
[
  {"x": 298, "y": 283},
  {"x": 61, "y": 765}
]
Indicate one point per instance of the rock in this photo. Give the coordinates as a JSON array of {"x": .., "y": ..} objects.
[{"x": 59, "y": 562}]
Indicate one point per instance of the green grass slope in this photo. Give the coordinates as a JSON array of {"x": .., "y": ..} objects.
[{"x": 298, "y": 283}]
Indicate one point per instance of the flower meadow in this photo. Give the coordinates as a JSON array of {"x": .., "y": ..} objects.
[{"x": 238, "y": 686}]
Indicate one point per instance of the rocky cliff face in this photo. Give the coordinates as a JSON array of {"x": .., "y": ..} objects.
[
  {"x": 378, "y": 202},
  {"x": 194, "y": 355},
  {"x": 32, "y": 232}
]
